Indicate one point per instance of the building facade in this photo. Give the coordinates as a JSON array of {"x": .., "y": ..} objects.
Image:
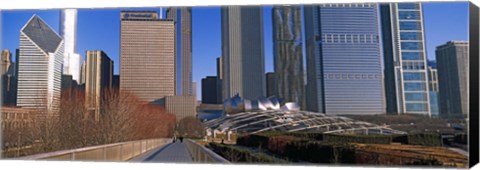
[
  {"x": 68, "y": 30},
  {"x": 147, "y": 55},
  {"x": 271, "y": 84},
  {"x": 9, "y": 79},
  {"x": 344, "y": 72},
  {"x": 183, "y": 48},
  {"x": 219, "y": 80},
  {"x": 209, "y": 90},
  {"x": 98, "y": 79},
  {"x": 181, "y": 106},
  {"x": 288, "y": 55},
  {"x": 433, "y": 87},
  {"x": 39, "y": 66},
  {"x": 453, "y": 77},
  {"x": 406, "y": 78},
  {"x": 242, "y": 52}
]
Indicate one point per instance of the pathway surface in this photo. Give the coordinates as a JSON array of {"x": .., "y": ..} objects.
[{"x": 171, "y": 153}]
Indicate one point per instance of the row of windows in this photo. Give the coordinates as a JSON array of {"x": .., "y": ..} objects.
[
  {"x": 413, "y": 65},
  {"x": 409, "y": 15},
  {"x": 349, "y": 38},
  {"x": 410, "y": 25},
  {"x": 412, "y": 56},
  {"x": 414, "y": 76},
  {"x": 417, "y": 86},
  {"x": 411, "y": 45},
  {"x": 411, "y": 36},
  {"x": 353, "y": 76},
  {"x": 417, "y": 107}
]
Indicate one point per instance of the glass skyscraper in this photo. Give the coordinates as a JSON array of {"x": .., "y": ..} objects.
[
  {"x": 406, "y": 79},
  {"x": 288, "y": 55},
  {"x": 343, "y": 59}
]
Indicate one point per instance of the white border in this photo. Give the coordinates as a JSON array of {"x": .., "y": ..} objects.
[{"x": 55, "y": 4}]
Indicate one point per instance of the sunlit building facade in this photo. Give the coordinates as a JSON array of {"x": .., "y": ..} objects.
[
  {"x": 242, "y": 51},
  {"x": 39, "y": 66},
  {"x": 147, "y": 55},
  {"x": 182, "y": 17},
  {"x": 68, "y": 30},
  {"x": 344, "y": 71}
]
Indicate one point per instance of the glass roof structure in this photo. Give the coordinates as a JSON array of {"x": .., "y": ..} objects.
[{"x": 293, "y": 121}]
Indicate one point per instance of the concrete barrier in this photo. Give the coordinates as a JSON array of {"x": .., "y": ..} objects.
[{"x": 111, "y": 152}]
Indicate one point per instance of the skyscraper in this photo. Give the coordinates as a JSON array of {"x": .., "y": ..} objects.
[
  {"x": 183, "y": 48},
  {"x": 147, "y": 55},
  {"x": 9, "y": 83},
  {"x": 209, "y": 90},
  {"x": 68, "y": 30},
  {"x": 40, "y": 66},
  {"x": 343, "y": 59},
  {"x": 406, "y": 80},
  {"x": 219, "y": 80},
  {"x": 271, "y": 85},
  {"x": 453, "y": 77},
  {"x": 433, "y": 87},
  {"x": 98, "y": 79},
  {"x": 243, "y": 52},
  {"x": 288, "y": 55}
]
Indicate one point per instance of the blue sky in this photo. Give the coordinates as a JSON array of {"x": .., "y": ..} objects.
[{"x": 98, "y": 29}]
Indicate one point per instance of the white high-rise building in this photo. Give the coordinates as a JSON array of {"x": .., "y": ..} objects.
[
  {"x": 39, "y": 66},
  {"x": 68, "y": 30},
  {"x": 243, "y": 52}
]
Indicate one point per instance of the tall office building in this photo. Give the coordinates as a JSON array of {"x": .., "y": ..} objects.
[
  {"x": 433, "y": 87},
  {"x": 68, "y": 31},
  {"x": 39, "y": 66},
  {"x": 98, "y": 79},
  {"x": 270, "y": 79},
  {"x": 9, "y": 83},
  {"x": 288, "y": 55},
  {"x": 116, "y": 81},
  {"x": 219, "y": 80},
  {"x": 406, "y": 80},
  {"x": 243, "y": 52},
  {"x": 182, "y": 17},
  {"x": 209, "y": 90},
  {"x": 453, "y": 77},
  {"x": 343, "y": 59},
  {"x": 147, "y": 55}
]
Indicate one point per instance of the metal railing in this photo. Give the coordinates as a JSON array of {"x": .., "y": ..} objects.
[
  {"x": 110, "y": 152},
  {"x": 201, "y": 154}
]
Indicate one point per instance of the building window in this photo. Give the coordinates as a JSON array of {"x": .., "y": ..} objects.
[
  {"x": 415, "y": 86},
  {"x": 411, "y": 46},
  {"x": 410, "y": 36},
  {"x": 412, "y": 15},
  {"x": 413, "y": 76},
  {"x": 416, "y": 107},
  {"x": 412, "y": 55},
  {"x": 407, "y": 6},
  {"x": 410, "y": 25}
]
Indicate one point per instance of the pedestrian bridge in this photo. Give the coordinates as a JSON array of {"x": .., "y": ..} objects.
[{"x": 151, "y": 150}]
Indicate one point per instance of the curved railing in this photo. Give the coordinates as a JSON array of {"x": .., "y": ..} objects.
[
  {"x": 201, "y": 154},
  {"x": 111, "y": 152}
]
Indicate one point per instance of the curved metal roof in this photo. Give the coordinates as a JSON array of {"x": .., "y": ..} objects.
[{"x": 292, "y": 121}]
